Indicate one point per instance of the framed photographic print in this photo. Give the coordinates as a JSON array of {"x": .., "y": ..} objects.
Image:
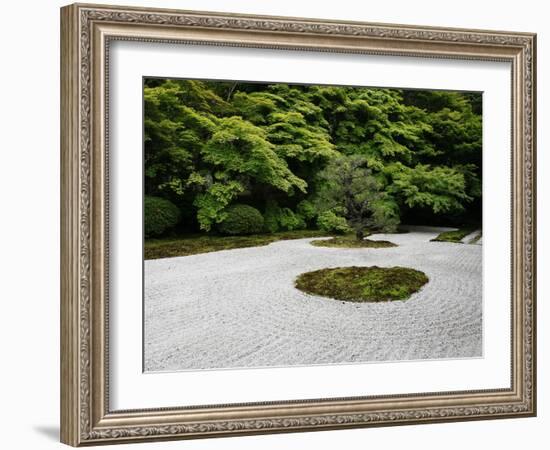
[{"x": 276, "y": 224}]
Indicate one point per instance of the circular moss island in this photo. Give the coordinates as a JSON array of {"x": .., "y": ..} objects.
[
  {"x": 362, "y": 284},
  {"x": 351, "y": 242}
]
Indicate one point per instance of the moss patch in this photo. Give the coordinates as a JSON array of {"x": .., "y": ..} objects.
[
  {"x": 193, "y": 245},
  {"x": 352, "y": 242},
  {"x": 362, "y": 284},
  {"x": 453, "y": 236}
]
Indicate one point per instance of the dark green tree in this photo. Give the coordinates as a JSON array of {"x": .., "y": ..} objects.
[{"x": 350, "y": 190}]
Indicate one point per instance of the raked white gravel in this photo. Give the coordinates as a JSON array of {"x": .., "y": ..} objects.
[{"x": 239, "y": 308}]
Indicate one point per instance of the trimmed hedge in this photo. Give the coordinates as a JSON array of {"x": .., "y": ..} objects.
[
  {"x": 242, "y": 219},
  {"x": 159, "y": 215}
]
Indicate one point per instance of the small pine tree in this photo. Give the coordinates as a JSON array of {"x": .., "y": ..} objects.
[{"x": 350, "y": 189}]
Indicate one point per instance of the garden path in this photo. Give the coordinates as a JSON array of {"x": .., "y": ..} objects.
[{"x": 239, "y": 308}]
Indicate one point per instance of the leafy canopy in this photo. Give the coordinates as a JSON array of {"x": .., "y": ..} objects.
[{"x": 209, "y": 145}]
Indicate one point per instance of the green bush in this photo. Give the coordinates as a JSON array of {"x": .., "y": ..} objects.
[
  {"x": 386, "y": 216},
  {"x": 276, "y": 218},
  {"x": 291, "y": 221},
  {"x": 328, "y": 221},
  {"x": 271, "y": 217},
  {"x": 159, "y": 215},
  {"x": 307, "y": 210},
  {"x": 242, "y": 219}
]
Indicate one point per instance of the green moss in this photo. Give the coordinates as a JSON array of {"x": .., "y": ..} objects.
[
  {"x": 193, "y": 245},
  {"x": 453, "y": 236},
  {"x": 352, "y": 242},
  {"x": 362, "y": 284}
]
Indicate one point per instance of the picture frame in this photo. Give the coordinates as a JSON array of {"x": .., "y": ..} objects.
[{"x": 87, "y": 32}]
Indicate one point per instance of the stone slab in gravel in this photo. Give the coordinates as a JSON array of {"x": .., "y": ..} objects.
[{"x": 239, "y": 308}]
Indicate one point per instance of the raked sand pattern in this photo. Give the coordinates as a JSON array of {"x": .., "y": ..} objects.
[{"x": 239, "y": 308}]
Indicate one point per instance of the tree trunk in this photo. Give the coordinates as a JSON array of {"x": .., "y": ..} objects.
[
  {"x": 359, "y": 235},
  {"x": 230, "y": 93}
]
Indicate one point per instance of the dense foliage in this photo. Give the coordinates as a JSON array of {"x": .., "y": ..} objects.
[
  {"x": 210, "y": 145},
  {"x": 160, "y": 215},
  {"x": 330, "y": 222}
]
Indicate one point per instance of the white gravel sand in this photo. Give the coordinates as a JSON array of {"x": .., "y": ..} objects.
[{"x": 239, "y": 308}]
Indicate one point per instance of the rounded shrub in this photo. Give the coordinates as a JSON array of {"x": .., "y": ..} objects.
[
  {"x": 331, "y": 223},
  {"x": 242, "y": 219},
  {"x": 159, "y": 215}
]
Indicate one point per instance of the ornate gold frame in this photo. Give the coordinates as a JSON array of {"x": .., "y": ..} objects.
[{"x": 86, "y": 31}]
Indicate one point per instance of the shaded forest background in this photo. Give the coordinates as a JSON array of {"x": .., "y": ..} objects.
[{"x": 211, "y": 145}]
